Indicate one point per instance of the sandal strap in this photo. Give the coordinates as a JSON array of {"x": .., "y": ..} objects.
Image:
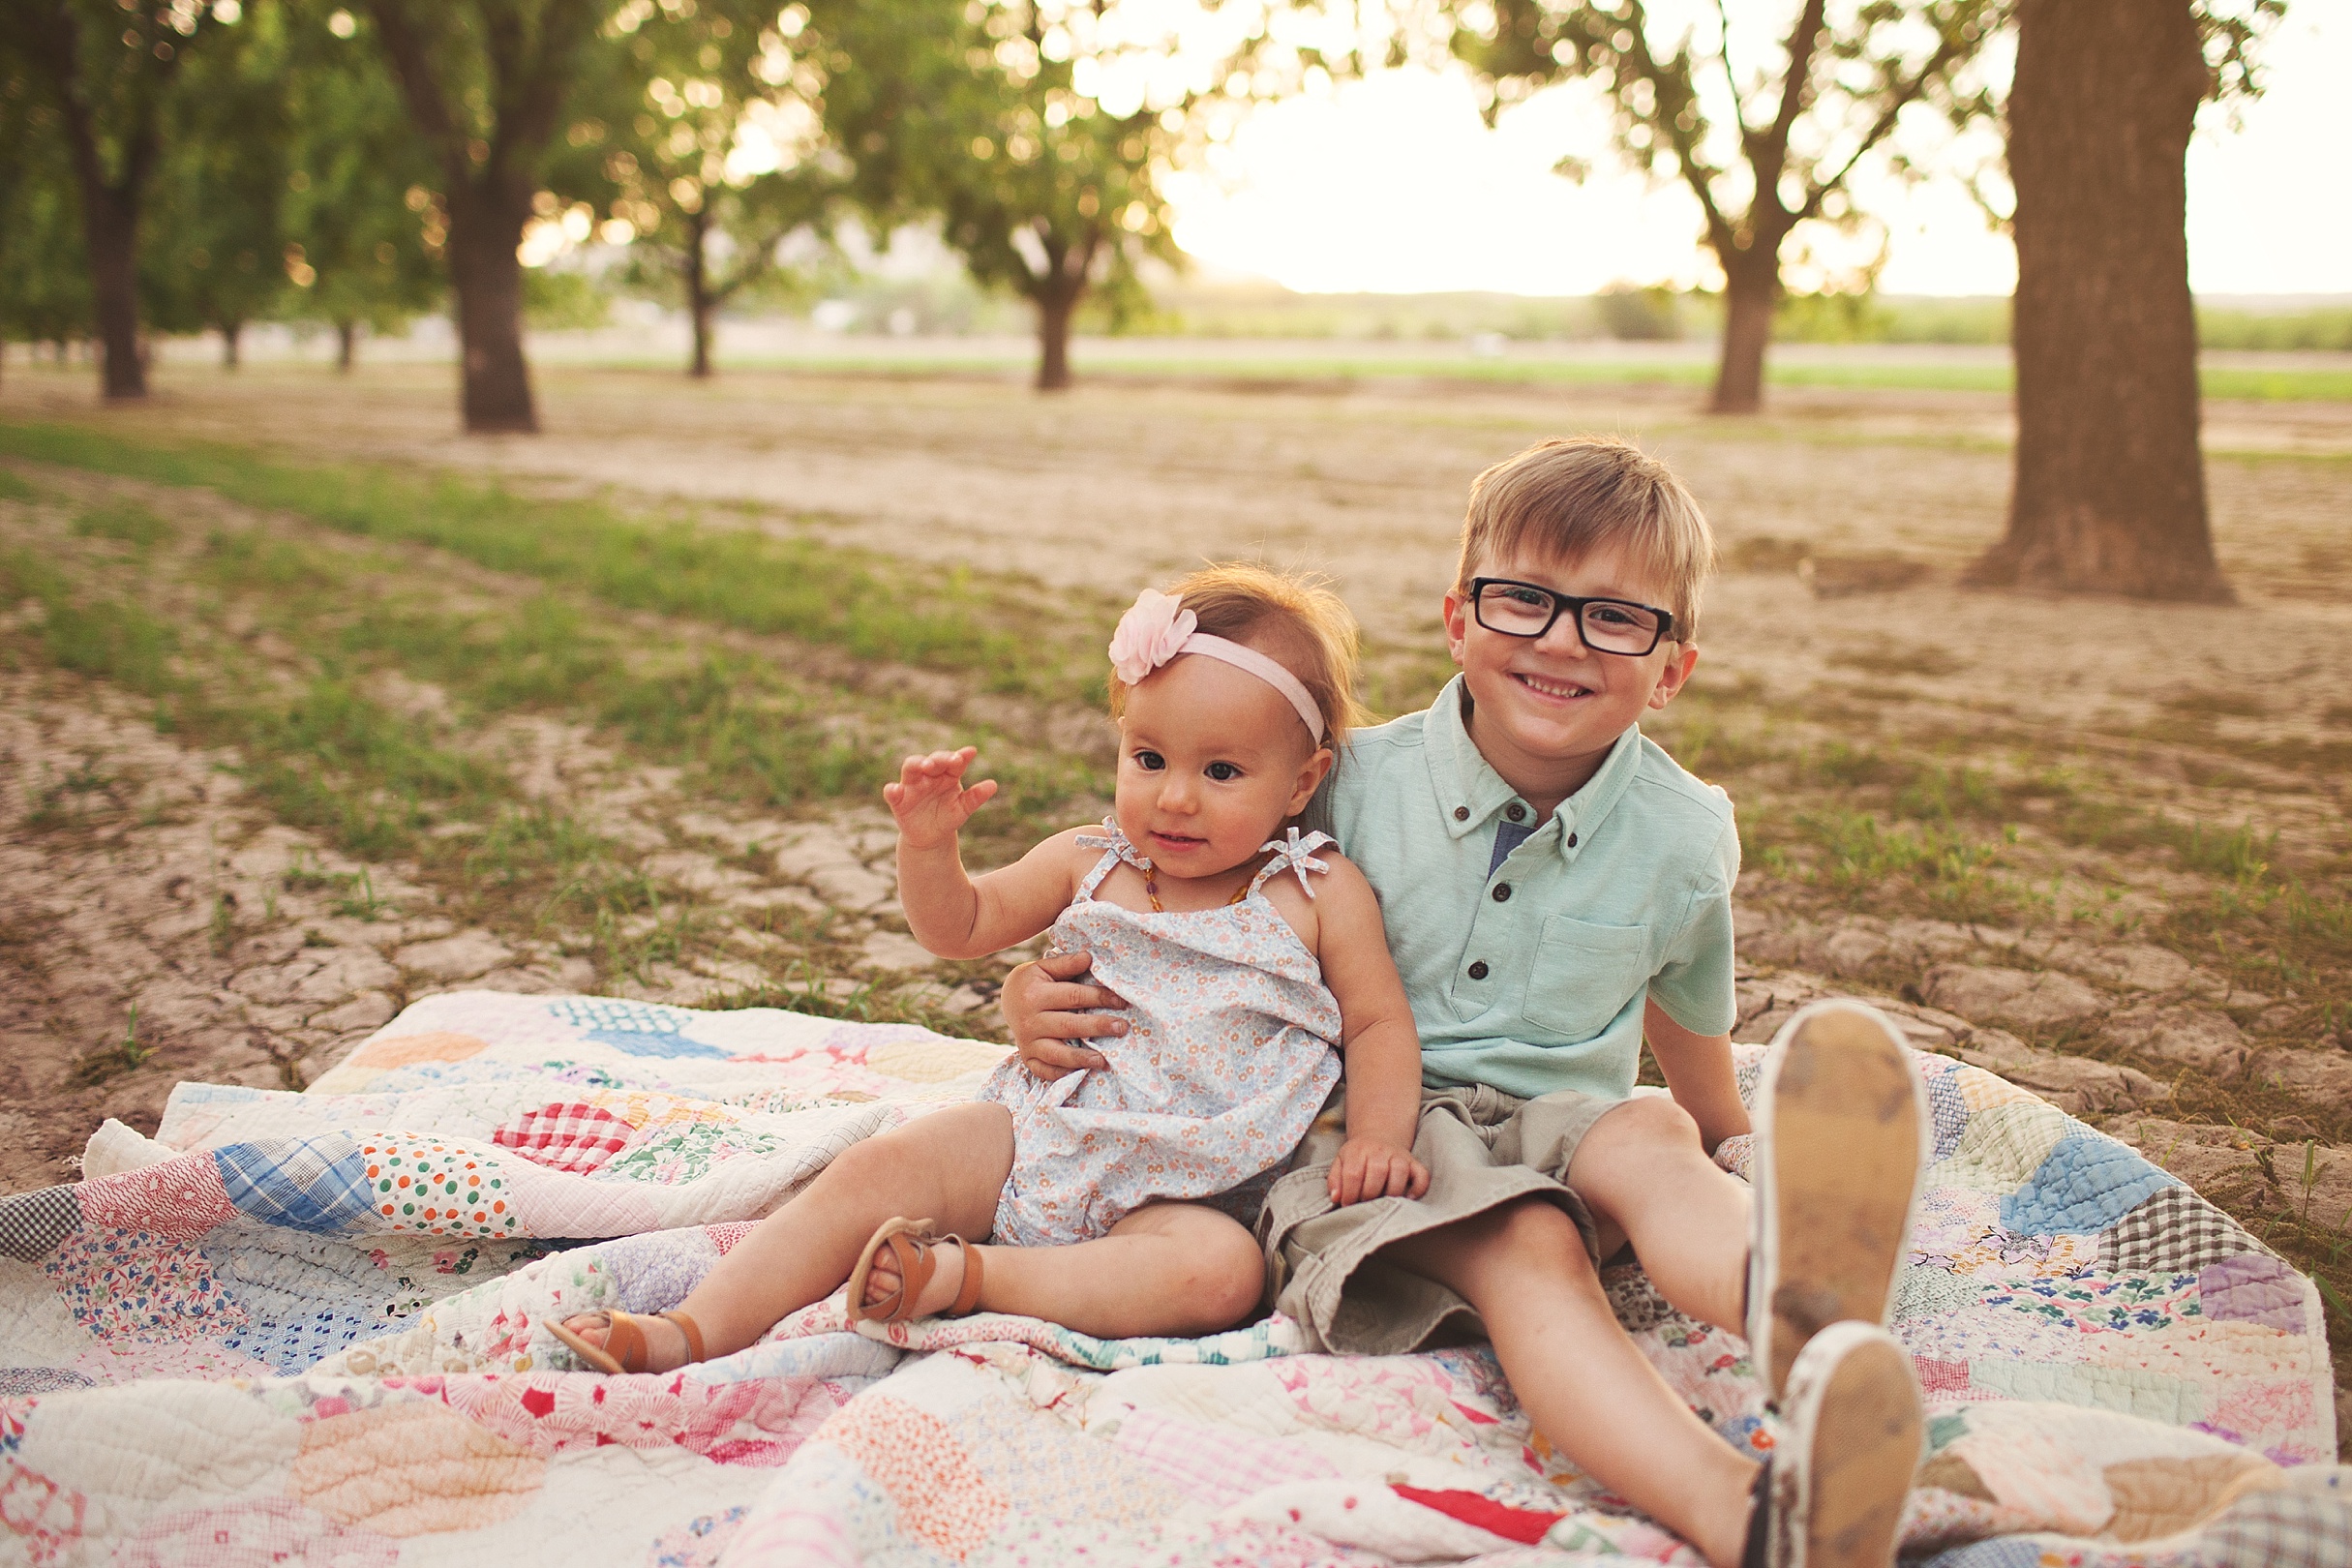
[
  {"x": 967, "y": 1296},
  {"x": 692, "y": 1330},
  {"x": 624, "y": 1341},
  {"x": 913, "y": 1253}
]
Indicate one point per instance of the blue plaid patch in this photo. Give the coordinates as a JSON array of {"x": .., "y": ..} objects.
[
  {"x": 608, "y": 1015},
  {"x": 314, "y": 1184}
]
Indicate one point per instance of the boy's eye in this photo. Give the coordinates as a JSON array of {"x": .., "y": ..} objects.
[
  {"x": 1151, "y": 762},
  {"x": 1223, "y": 772}
]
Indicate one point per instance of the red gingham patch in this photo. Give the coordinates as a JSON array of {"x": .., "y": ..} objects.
[
  {"x": 179, "y": 1199},
  {"x": 1940, "y": 1377},
  {"x": 566, "y": 1137}
]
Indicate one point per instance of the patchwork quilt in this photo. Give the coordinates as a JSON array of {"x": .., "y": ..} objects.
[{"x": 311, "y": 1328}]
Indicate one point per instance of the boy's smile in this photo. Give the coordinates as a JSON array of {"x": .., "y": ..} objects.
[{"x": 1547, "y": 709}]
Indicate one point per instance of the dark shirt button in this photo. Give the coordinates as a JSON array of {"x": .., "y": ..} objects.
[
  {"x": 1461, "y": 813},
  {"x": 1515, "y": 811},
  {"x": 1502, "y": 892},
  {"x": 1572, "y": 840},
  {"x": 1478, "y": 970}
]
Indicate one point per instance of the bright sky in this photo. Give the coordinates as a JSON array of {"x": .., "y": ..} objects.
[{"x": 1391, "y": 184}]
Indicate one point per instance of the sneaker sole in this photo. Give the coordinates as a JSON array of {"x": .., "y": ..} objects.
[
  {"x": 1858, "y": 1415},
  {"x": 1842, "y": 1136}
]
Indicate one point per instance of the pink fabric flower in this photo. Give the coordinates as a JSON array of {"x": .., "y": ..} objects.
[{"x": 1149, "y": 634}]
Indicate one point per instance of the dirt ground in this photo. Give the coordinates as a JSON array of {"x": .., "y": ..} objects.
[{"x": 2100, "y": 846}]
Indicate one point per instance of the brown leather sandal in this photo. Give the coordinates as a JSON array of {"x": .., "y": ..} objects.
[
  {"x": 913, "y": 1248},
  {"x": 626, "y": 1348}
]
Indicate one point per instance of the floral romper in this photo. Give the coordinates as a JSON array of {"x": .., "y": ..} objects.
[{"x": 1229, "y": 1055}]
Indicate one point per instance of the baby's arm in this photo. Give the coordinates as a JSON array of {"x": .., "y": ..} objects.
[
  {"x": 1377, "y": 1036},
  {"x": 1697, "y": 1071},
  {"x": 950, "y": 913}
]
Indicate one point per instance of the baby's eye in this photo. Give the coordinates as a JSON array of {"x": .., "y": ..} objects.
[
  {"x": 1151, "y": 762},
  {"x": 1223, "y": 773}
]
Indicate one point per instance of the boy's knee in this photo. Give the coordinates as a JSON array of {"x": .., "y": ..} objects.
[
  {"x": 1536, "y": 1228},
  {"x": 1647, "y": 1124}
]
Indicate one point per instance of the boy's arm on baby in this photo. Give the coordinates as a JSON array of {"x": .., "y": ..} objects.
[
  {"x": 1697, "y": 1071},
  {"x": 950, "y": 913},
  {"x": 1378, "y": 1039}
]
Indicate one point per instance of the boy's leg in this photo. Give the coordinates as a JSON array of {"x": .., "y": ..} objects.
[
  {"x": 1849, "y": 1444},
  {"x": 1583, "y": 1381},
  {"x": 950, "y": 1166},
  {"x": 1841, "y": 1134}
]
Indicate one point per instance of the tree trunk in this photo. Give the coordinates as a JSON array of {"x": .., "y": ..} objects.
[
  {"x": 110, "y": 228},
  {"x": 485, "y": 227},
  {"x": 1751, "y": 287},
  {"x": 699, "y": 303},
  {"x": 2109, "y": 490},
  {"x": 230, "y": 332},
  {"x": 1055, "y": 308},
  {"x": 347, "y": 346}
]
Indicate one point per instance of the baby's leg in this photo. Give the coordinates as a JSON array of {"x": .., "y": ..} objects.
[
  {"x": 950, "y": 1166},
  {"x": 1168, "y": 1268}
]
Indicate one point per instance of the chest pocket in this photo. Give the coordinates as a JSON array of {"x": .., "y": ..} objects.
[{"x": 1584, "y": 975}]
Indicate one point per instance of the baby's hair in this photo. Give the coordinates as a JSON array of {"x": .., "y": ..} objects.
[
  {"x": 1292, "y": 618},
  {"x": 1563, "y": 501}
]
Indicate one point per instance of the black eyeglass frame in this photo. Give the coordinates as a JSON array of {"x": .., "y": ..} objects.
[{"x": 1563, "y": 604}]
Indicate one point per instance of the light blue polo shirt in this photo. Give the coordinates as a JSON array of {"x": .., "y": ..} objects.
[{"x": 1526, "y": 954}]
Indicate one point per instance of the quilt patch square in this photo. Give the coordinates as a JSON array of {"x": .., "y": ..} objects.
[
  {"x": 33, "y": 1224},
  {"x": 2174, "y": 1231},
  {"x": 317, "y": 1184}
]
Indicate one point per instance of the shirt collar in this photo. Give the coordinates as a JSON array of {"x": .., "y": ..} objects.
[{"x": 1470, "y": 792}]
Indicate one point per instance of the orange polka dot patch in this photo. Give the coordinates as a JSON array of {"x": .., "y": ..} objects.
[{"x": 438, "y": 1189}]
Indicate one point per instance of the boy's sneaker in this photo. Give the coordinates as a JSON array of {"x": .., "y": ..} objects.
[
  {"x": 1841, "y": 1126},
  {"x": 1832, "y": 1493}
]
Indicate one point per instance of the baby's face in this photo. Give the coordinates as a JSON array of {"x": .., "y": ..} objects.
[{"x": 1211, "y": 761}]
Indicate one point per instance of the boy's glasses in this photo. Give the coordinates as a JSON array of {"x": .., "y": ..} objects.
[{"x": 1607, "y": 626}]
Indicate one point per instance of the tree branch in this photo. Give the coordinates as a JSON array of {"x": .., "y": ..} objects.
[
  {"x": 1816, "y": 191},
  {"x": 412, "y": 62}
]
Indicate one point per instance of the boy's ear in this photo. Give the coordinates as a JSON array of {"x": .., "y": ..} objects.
[
  {"x": 1457, "y": 622},
  {"x": 1311, "y": 778},
  {"x": 1673, "y": 677}
]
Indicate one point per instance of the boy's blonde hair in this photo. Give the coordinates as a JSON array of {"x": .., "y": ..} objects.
[
  {"x": 1566, "y": 500},
  {"x": 1292, "y": 618}
]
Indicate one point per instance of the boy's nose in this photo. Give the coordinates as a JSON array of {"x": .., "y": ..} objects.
[{"x": 1564, "y": 639}]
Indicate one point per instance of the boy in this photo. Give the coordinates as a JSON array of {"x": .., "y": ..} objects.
[{"x": 1554, "y": 888}]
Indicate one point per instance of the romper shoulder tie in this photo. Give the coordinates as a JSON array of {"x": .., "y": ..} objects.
[
  {"x": 1295, "y": 853},
  {"x": 1115, "y": 848}
]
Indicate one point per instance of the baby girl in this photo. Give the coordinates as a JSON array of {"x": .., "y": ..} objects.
[{"x": 1254, "y": 969}]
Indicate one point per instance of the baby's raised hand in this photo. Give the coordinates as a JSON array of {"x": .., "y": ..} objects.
[
  {"x": 1368, "y": 1168},
  {"x": 929, "y": 798}
]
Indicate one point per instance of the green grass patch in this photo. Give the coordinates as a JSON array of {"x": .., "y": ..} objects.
[
  {"x": 875, "y": 606},
  {"x": 124, "y": 521},
  {"x": 15, "y": 488}
]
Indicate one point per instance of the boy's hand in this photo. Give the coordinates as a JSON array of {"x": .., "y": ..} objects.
[
  {"x": 930, "y": 800},
  {"x": 1043, "y": 1003},
  {"x": 1371, "y": 1167}
]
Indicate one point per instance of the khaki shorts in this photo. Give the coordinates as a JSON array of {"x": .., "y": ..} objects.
[{"x": 1484, "y": 1148}]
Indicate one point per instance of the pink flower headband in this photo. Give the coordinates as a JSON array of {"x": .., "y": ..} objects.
[{"x": 1157, "y": 627}]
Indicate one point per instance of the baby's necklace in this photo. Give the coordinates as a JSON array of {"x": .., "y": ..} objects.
[{"x": 1151, "y": 886}]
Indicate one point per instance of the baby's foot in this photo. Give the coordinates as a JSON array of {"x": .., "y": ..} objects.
[
  {"x": 665, "y": 1342},
  {"x": 882, "y": 1280}
]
